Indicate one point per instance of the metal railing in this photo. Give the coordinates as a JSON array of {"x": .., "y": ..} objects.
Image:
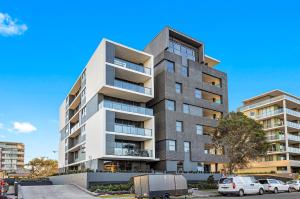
[
  {"x": 292, "y": 112},
  {"x": 293, "y": 150},
  {"x": 132, "y": 87},
  {"x": 135, "y": 152},
  {"x": 74, "y": 143},
  {"x": 127, "y": 108},
  {"x": 120, "y": 128},
  {"x": 132, "y": 66}
]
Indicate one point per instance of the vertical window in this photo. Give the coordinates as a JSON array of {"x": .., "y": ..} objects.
[
  {"x": 186, "y": 146},
  {"x": 186, "y": 108},
  {"x": 83, "y": 94},
  {"x": 83, "y": 130},
  {"x": 170, "y": 67},
  {"x": 170, "y": 105},
  {"x": 178, "y": 87},
  {"x": 199, "y": 129},
  {"x": 172, "y": 145},
  {"x": 198, "y": 93},
  {"x": 184, "y": 71},
  {"x": 83, "y": 112},
  {"x": 179, "y": 126}
]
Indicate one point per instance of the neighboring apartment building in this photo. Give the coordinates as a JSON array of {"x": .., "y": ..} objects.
[
  {"x": 279, "y": 113},
  {"x": 190, "y": 96},
  {"x": 12, "y": 156},
  {"x": 104, "y": 122}
]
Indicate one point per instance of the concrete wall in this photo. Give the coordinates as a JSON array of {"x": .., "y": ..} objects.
[
  {"x": 78, "y": 178},
  {"x": 87, "y": 179}
]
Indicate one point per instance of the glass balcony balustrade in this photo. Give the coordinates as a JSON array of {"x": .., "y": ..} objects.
[
  {"x": 132, "y": 66},
  {"x": 120, "y": 128}
]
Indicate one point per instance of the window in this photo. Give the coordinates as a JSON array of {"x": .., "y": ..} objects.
[
  {"x": 170, "y": 105},
  {"x": 186, "y": 146},
  {"x": 179, "y": 126},
  {"x": 170, "y": 67},
  {"x": 83, "y": 112},
  {"x": 83, "y": 130},
  {"x": 178, "y": 87},
  {"x": 83, "y": 94},
  {"x": 199, "y": 129},
  {"x": 198, "y": 93},
  {"x": 172, "y": 145},
  {"x": 184, "y": 71},
  {"x": 186, "y": 108}
]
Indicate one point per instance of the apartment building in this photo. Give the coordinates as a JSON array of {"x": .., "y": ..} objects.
[
  {"x": 12, "y": 156},
  {"x": 279, "y": 113},
  {"x": 190, "y": 96},
  {"x": 104, "y": 122}
]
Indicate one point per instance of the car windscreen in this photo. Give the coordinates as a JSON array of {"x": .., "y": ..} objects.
[{"x": 225, "y": 180}]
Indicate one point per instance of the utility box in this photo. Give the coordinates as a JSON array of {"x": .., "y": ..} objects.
[{"x": 160, "y": 185}]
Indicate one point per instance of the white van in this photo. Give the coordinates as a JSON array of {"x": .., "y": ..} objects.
[{"x": 240, "y": 185}]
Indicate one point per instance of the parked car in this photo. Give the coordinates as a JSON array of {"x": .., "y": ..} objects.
[
  {"x": 240, "y": 185},
  {"x": 275, "y": 186},
  {"x": 294, "y": 184}
]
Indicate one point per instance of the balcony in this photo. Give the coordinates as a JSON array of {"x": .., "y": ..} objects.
[
  {"x": 120, "y": 128},
  {"x": 132, "y": 87},
  {"x": 269, "y": 114},
  {"x": 75, "y": 143},
  {"x": 128, "y": 108},
  {"x": 209, "y": 81},
  {"x": 74, "y": 128},
  {"x": 272, "y": 126},
  {"x": 276, "y": 138},
  {"x": 294, "y": 150},
  {"x": 134, "y": 153},
  {"x": 293, "y": 125},
  {"x": 292, "y": 112},
  {"x": 132, "y": 66},
  {"x": 80, "y": 158}
]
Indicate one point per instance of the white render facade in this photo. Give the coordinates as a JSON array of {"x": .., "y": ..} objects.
[
  {"x": 279, "y": 113},
  {"x": 104, "y": 122}
]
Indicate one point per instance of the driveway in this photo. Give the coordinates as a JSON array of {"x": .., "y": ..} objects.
[{"x": 54, "y": 192}]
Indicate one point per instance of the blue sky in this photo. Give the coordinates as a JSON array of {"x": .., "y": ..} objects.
[{"x": 45, "y": 44}]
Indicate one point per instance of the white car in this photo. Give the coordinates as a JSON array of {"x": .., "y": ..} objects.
[
  {"x": 275, "y": 186},
  {"x": 294, "y": 184},
  {"x": 240, "y": 185}
]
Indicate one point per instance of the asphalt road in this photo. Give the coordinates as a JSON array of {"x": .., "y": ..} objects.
[
  {"x": 293, "y": 195},
  {"x": 54, "y": 192}
]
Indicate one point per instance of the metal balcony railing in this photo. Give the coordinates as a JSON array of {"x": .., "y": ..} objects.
[{"x": 134, "y": 152}]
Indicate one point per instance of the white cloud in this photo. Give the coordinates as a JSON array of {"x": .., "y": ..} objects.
[
  {"x": 10, "y": 26},
  {"x": 23, "y": 127}
]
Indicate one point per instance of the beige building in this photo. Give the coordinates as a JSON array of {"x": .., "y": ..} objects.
[
  {"x": 12, "y": 156},
  {"x": 279, "y": 113}
]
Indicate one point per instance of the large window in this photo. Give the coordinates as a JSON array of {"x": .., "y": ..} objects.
[
  {"x": 186, "y": 108},
  {"x": 172, "y": 145},
  {"x": 179, "y": 126},
  {"x": 170, "y": 67},
  {"x": 181, "y": 49},
  {"x": 186, "y": 146},
  {"x": 193, "y": 110},
  {"x": 199, "y": 129},
  {"x": 184, "y": 71},
  {"x": 178, "y": 87},
  {"x": 170, "y": 105},
  {"x": 198, "y": 93}
]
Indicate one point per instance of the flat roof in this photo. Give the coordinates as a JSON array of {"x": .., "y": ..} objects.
[{"x": 273, "y": 93}]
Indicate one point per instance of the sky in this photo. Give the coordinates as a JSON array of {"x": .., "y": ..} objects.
[{"x": 44, "y": 45}]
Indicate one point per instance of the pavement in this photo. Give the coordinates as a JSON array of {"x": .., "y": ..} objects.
[
  {"x": 54, "y": 192},
  {"x": 293, "y": 195}
]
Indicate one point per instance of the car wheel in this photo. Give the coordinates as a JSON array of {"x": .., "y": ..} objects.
[
  {"x": 275, "y": 190},
  {"x": 261, "y": 192},
  {"x": 241, "y": 193},
  {"x": 166, "y": 196},
  {"x": 290, "y": 190}
]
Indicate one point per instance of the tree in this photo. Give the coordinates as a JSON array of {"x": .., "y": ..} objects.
[
  {"x": 42, "y": 167},
  {"x": 243, "y": 138}
]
